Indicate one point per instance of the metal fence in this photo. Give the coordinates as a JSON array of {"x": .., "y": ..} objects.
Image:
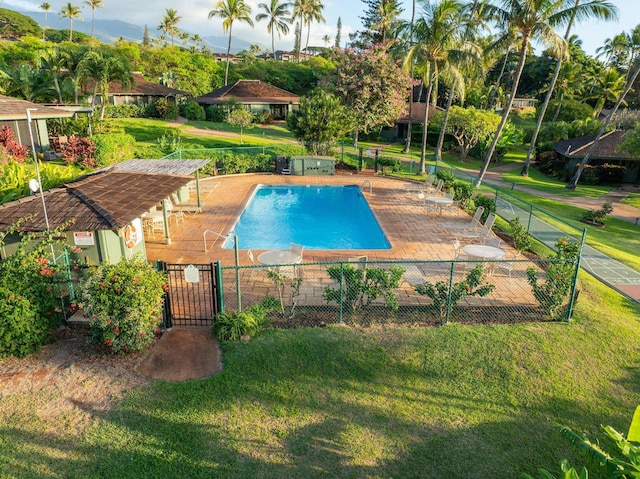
[
  {"x": 404, "y": 292},
  {"x": 219, "y": 153}
]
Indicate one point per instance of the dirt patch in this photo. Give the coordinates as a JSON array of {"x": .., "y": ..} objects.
[{"x": 68, "y": 378}]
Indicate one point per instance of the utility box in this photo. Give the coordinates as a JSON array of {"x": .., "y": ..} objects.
[
  {"x": 312, "y": 165},
  {"x": 281, "y": 164}
]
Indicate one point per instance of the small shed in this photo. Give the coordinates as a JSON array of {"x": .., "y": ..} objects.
[{"x": 312, "y": 165}]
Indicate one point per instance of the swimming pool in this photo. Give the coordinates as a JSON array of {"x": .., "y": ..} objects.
[{"x": 318, "y": 217}]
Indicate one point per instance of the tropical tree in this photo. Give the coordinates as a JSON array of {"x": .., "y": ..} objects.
[
  {"x": 388, "y": 12},
  {"x": 71, "y": 12},
  {"x": 28, "y": 82},
  {"x": 602, "y": 10},
  {"x": 93, "y": 5},
  {"x": 614, "y": 51},
  {"x": 104, "y": 69},
  {"x": 532, "y": 20},
  {"x": 169, "y": 23},
  {"x": 307, "y": 12},
  {"x": 230, "y": 11},
  {"x": 607, "y": 89},
  {"x": 279, "y": 18},
  {"x": 339, "y": 32},
  {"x": 45, "y": 7},
  {"x": 75, "y": 70},
  {"x": 407, "y": 145},
  {"x": 436, "y": 33},
  {"x": 370, "y": 85},
  {"x": 469, "y": 126},
  {"x": 326, "y": 39},
  {"x": 241, "y": 118},
  {"x": 319, "y": 122},
  {"x": 52, "y": 60}
]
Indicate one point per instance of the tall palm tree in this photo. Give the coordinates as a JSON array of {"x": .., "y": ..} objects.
[
  {"x": 52, "y": 60},
  {"x": 614, "y": 51},
  {"x": 607, "y": 89},
  {"x": 278, "y": 14},
  {"x": 602, "y": 10},
  {"x": 74, "y": 66},
  {"x": 313, "y": 14},
  {"x": 104, "y": 69},
  {"x": 534, "y": 20},
  {"x": 387, "y": 17},
  {"x": 45, "y": 7},
  {"x": 436, "y": 34},
  {"x": 307, "y": 12},
  {"x": 407, "y": 145},
  {"x": 169, "y": 23},
  {"x": 71, "y": 12},
  {"x": 93, "y": 5},
  {"x": 230, "y": 11}
]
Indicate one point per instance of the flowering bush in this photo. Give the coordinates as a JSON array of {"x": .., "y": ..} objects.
[
  {"x": 29, "y": 291},
  {"x": 10, "y": 146},
  {"x": 80, "y": 150},
  {"x": 124, "y": 304}
]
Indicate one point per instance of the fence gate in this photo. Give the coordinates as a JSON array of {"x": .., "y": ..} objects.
[{"x": 193, "y": 296}]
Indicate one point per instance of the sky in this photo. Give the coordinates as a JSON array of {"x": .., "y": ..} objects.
[{"x": 194, "y": 15}]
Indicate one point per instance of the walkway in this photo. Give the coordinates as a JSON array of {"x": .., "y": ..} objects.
[{"x": 611, "y": 272}]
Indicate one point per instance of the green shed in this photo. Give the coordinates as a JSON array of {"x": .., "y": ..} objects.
[{"x": 312, "y": 165}]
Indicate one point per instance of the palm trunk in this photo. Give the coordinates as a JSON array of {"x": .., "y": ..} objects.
[
  {"x": 423, "y": 151},
  {"x": 306, "y": 47},
  {"x": 557, "y": 112},
  {"x": 93, "y": 21},
  {"x": 505, "y": 113},
  {"x": 407, "y": 145},
  {"x": 226, "y": 70},
  {"x": 585, "y": 161},
  {"x": 273, "y": 44},
  {"x": 499, "y": 79},
  {"x": 70, "y": 30},
  {"x": 547, "y": 100},
  {"x": 445, "y": 119}
]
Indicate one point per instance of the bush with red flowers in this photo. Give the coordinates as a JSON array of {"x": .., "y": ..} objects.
[
  {"x": 123, "y": 302},
  {"x": 81, "y": 151},
  {"x": 10, "y": 146}
]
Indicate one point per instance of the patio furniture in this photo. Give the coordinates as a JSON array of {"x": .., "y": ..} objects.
[
  {"x": 480, "y": 234},
  {"x": 437, "y": 203},
  {"x": 253, "y": 262},
  {"x": 412, "y": 274},
  {"x": 483, "y": 251},
  {"x": 279, "y": 256},
  {"x": 473, "y": 224},
  {"x": 186, "y": 207},
  {"x": 457, "y": 254},
  {"x": 434, "y": 191},
  {"x": 173, "y": 212},
  {"x": 153, "y": 221},
  {"x": 508, "y": 266}
]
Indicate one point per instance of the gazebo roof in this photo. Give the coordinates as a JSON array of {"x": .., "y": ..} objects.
[
  {"x": 106, "y": 200},
  {"x": 161, "y": 167}
]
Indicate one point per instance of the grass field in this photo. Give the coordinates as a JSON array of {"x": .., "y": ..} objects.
[
  {"x": 539, "y": 181},
  {"x": 633, "y": 199}
]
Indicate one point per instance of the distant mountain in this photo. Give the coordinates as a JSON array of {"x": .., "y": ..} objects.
[{"x": 108, "y": 31}]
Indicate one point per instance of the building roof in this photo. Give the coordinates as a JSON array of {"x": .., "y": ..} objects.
[
  {"x": 605, "y": 149},
  {"x": 249, "y": 91},
  {"x": 417, "y": 113},
  {"x": 15, "y": 109},
  {"x": 139, "y": 86},
  {"x": 161, "y": 167},
  {"x": 106, "y": 200}
]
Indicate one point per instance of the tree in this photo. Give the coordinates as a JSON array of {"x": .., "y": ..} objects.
[
  {"x": 436, "y": 33},
  {"x": 307, "y": 12},
  {"x": 230, "y": 11},
  {"x": 169, "y": 23},
  {"x": 607, "y": 89},
  {"x": 52, "y": 60},
  {"x": 407, "y": 145},
  {"x": 241, "y": 118},
  {"x": 533, "y": 20},
  {"x": 469, "y": 126},
  {"x": 320, "y": 121},
  {"x": 338, "y": 33},
  {"x": 278, "y": 15},
  {"x": 631, "y": 142},
  {"x": 71, "y": 12},
  {"x": 603, "y": 10},
  {"x": 377, "y": 20},
  {"x": 93, "y": 4},
  {"x": 104, "y": 69},
  {"x": 45, "y": 7},
  {"x": 326, "y": 39},
  {"x": 28, "y": 82},
  {"x": 370, "y": 85},
  {"x": 145, "y": 37}
]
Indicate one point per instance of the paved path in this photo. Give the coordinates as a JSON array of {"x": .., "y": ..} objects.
[{"x": 613, "y": 273}]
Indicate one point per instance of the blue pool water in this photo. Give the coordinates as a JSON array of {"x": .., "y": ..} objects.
[{"x": 318, "y": 217}]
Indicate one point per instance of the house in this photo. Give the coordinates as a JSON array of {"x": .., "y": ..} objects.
[
  {"x": 13, "y": 113},
  {"x": 102, "y": 213},
  {"x": 222, "y": 58},
  {"x": 255, "y": 96},
  {"x": 574, "y": 150},
  {"x": 138, "y": 92}
]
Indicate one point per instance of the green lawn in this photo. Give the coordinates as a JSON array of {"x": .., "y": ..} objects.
[
  {"x": 449, "y": 402},
  {"x": 539, "y": 181},
  {"x": 633, "y": 199}
]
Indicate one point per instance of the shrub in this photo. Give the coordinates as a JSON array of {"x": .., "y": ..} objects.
[
  {"x": 488, "y": 203},
  {"x": 598, "y": 216},
  {"x": 447, "y": 177},
  {"x": 608, "y": 174},
  {"x": 81, "y": 151},
  {"x": 122, "y": 111},
  {"x": 392, "y": 164},
  {"x": 236, "y": 163},
  {"x": 11, "y": 146},
  {"x": 162, "y": 108},
  {"x": 521, "y": 239},
  {"x": 551, "y": 164},
  {"x": 570, "y": 110},
  {"x": 123, "y": 302},
  {"x": 472, "y": 285},
  {"x": 192, "y": 111},
  {"x": 21, "y": 332},
  {"x": 462, "y": 191},
  {"x": 233, "y": 325},
  {"x": 215, "y": 113},
  {"x": 113, "y": 148},
  {"x": 558, "y": 278},
  {"x": 170, "y": 141}
]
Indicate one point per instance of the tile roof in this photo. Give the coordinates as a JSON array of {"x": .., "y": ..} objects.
[
  {"x": 417, "y": 113},
  {"x": 162, "y": 167},
  {"x": 249, "y": 91},
  {"x": 605, "y": 149},
  {"x": 139, "y": 86},
  {"x": 16, "y": 109},
  {"x": 107, "y": 200}
]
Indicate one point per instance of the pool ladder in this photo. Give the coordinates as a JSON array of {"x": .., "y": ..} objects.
[
  {"x": 204, "y": 237},
  {"x": 365, "y": 183}
]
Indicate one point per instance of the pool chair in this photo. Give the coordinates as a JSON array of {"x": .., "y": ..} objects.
[
  {"x": 412, "y": 274},
  {"x": 359, "y": 261},
  {"x": 434, "y": 191},
  {"x": 293, "y": 271},
  {"x": 477, "y": 235},
  {"x": 253, "y": 262},
  {"x": 471, "y": 225},
  {"x": 173, "y": 212}
]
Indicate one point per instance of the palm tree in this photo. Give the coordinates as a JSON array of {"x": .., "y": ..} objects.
[
  {"x": 74, "y": 66},
  {"x": 230, "y": 11},
  {"x": 104, "y": 69},
  {"x": 436, "y": 33},
  {"x": 602, "y": 10},
  {"x": 307, "y": 11},
  {"x": 313, "y": 14},
  {"x": 326, "y": 39},
  {"x": 614, "y": 51},
  {"x": 169, "y": 23},
  {"x": 407, "y": 145},
  {"x": 71, "y": 12},
  {"x": 93, "y": 5},
  {"x": 52, "y": 60},
  {"x": 387, "y": 16},
  {"x": 534, "y": 20},
  {"x": 45, "y": 7},
  {"x": 608, "y": 88},
  {"x": 278, "y": 15}
]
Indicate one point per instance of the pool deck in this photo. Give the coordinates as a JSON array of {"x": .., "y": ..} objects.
[{"x": 414, "y": 234}]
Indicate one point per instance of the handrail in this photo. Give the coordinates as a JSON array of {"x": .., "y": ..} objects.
[
  {"x": 204, "y": 237},
  {"x": 365, "y": 182}
]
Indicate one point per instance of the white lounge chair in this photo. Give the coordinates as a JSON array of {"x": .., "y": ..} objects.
[
  {"x": 479, "y": 235},
  {"x": 473, "y": 224}
]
